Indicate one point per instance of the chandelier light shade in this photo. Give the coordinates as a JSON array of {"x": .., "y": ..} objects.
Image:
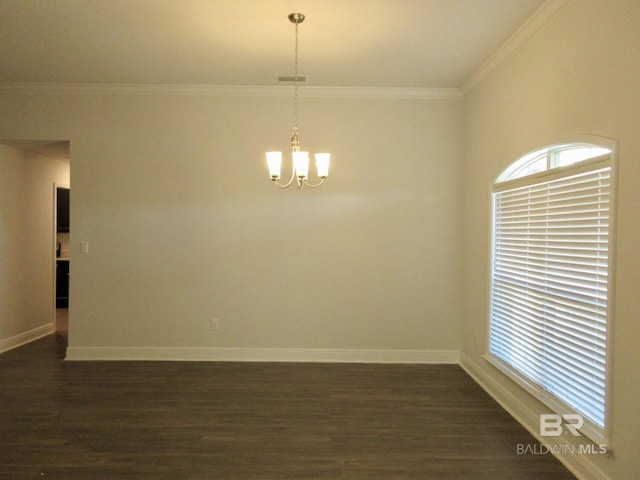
[{"x": 299, "y": 159}]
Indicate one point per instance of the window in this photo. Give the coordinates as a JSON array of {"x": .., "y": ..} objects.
[{"x": 551, "y": 288}]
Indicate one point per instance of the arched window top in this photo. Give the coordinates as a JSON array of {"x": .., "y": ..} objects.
[{"x": 548, "y": 158}]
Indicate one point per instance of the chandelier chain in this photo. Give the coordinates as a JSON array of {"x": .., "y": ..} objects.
[{"x": 295, "y": 85}]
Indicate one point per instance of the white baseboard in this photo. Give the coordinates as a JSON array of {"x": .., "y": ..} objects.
[
  {"x": 580, "y": 465},
  {"x": 263, "y": 355},
  {"x": 26, "y": 337}
]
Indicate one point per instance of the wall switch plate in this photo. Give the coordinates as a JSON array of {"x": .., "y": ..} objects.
[
  {"x": 215, "y": 324},
  {"x": 84, "y": 247}
]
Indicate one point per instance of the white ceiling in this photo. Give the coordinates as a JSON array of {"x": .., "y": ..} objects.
[{"x": 346, "y": 43}]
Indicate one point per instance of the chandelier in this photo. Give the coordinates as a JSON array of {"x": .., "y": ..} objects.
[{"x": 300, "y": 160}]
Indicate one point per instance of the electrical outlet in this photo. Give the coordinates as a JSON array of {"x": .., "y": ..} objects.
[{"x": 215, "y": 324}]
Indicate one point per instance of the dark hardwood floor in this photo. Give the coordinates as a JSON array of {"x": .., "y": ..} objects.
[
  {"x": 62, "y": 323},
  {"x": 192, "y": 421}
]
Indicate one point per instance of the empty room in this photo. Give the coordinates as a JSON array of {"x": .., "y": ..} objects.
[{"x": 319, "y": 239}]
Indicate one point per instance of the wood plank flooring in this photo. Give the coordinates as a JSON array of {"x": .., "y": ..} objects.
[{"x": 263, "y": 421}]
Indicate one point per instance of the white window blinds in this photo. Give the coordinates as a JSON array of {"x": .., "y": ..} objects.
[{"x": 549, "y": 312}]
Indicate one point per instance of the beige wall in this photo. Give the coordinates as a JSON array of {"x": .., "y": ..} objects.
[
  {"x": 26, "y": 243},
  {"x": 579, "y": 76},
  {"x": 172, "y": 193},
  {"x": 12, "y": 230}
]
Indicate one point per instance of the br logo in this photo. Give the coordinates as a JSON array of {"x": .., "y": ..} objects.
[{"x": 553, "y": 425}]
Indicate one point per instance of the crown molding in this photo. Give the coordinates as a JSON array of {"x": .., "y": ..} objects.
[
  {"x": 540, "y": 19},
  {"x": 231, "y": 91}
]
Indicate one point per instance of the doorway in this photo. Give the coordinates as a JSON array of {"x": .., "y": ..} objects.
[
  {"x": 30, "y": 169},
  {"x": 62, "y": 203}
]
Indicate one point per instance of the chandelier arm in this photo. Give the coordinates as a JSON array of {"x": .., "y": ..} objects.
[
  {"x": 280, "y": 185},
  {"x": 285, "y": 185},
  {"x": 313, "y": 185}
]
